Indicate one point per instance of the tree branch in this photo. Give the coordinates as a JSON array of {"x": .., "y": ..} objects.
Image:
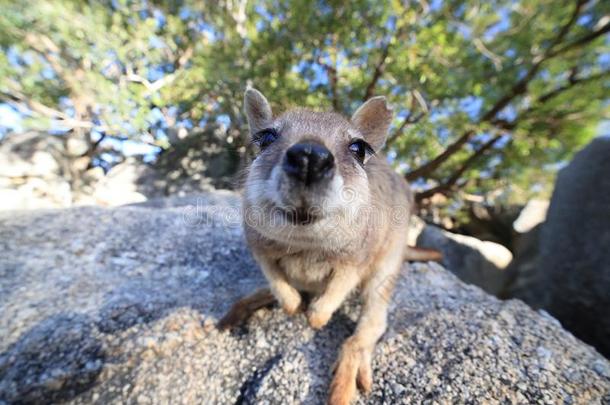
[
  {"x": 573, "y": 81},
  {"x": 153, "y": 87},
  {"x": 416, "y": 98},
  {"x": 409, "y": 119},
  {"x": 50, "y": 51},
  {"x": 16, "y": 98},
  {"x": 379, "y": 68},
  {"x": 64, "y": 120},
  {"x": 516, "y": 90},
  {"x": 441, "y": 158},
  {"x": 450, "y": 183},
  {"x": 93, "y": 146},
  {"x": 582, "y": 41},
  {"x": 333, "y": 80}
]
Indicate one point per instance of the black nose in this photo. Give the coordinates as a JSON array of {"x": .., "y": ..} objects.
[{"x": 309, "y": 162}]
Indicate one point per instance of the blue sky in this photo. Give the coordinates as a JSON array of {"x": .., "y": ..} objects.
[{"x": 10, "y": 119}]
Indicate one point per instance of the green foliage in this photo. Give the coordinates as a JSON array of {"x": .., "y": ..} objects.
[{"x": 533, "y": 74}]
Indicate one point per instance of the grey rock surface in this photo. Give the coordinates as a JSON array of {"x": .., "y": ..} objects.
[
  {"x": 474, "y": 261},
  {"x": 118, "y": 305},
  {"x": 572, "y": 278}
]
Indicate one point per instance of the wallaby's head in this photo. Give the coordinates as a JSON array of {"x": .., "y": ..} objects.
[{"x": 311, "y": 165}]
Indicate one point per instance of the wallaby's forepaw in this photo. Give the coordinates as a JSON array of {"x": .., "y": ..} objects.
[
  {"x": 352, "y": 370},
  {"x": 291, "y": 302},
  {"x": 318, "y": 318}
]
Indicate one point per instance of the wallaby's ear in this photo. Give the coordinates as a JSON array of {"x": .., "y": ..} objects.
[
  {"x": 257, "y": 110},
  {"x": 373, "y": 120}
]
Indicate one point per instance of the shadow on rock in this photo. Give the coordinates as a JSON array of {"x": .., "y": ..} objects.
[
  {"x": 248, "y": 390},
  {"x": 121, "y": 313},
  {"x": 56, "y": 360},
  {"x": 326, "y": 346}
]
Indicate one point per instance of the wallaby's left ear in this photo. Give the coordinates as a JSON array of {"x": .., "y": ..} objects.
[{"x": 373, "y": 120}]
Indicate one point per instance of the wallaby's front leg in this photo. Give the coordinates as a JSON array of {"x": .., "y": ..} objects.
[
  {"x": 353, "y": 367},
  {"x": 342, "y": 282},
  {"x": 288, "y": 297}
]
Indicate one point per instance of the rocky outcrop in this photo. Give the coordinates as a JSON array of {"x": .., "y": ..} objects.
[
  {"x": 31, "y": 174},
  {"x": 119, "y": 305},
  {"x": 572, "y": 275},
  {"x": 532, "y": 215},
  {"x": 474, "y": 261},
  {"x": 39, "y": 170},
  {"x": 128, "y": 182},
  {"x": 206, "y": 159},
  {"x": 523, "y": 269}
]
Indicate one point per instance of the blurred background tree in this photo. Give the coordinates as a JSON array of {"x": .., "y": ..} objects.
[{"x": 491, "y": 97}]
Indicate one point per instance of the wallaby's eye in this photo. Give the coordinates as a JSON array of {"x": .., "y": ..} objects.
[
  {"x": 265, "y": 137},
  {"x": 361, "y": 150}
]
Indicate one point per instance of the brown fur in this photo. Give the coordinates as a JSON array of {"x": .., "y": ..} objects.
[
  {"x": 357, "y": 242},
  {"x": 419, "y": 254},
  {"x": 245, "y": 307}
]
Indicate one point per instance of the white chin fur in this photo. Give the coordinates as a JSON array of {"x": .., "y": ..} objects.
[{"x": 337, "y": 206}]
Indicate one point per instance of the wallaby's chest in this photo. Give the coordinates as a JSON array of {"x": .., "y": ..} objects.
[{"x": 306, "y": 271}]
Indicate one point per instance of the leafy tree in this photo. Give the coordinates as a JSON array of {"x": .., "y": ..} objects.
[{"x": 488, "y": 95}]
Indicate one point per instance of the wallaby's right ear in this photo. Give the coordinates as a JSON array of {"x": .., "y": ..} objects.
[
  {"x": 373, "y": 120},
  {"x": 257, "y": 110}
]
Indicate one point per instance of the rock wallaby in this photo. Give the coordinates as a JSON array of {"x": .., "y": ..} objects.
[{"x": 325, "y": 215}]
